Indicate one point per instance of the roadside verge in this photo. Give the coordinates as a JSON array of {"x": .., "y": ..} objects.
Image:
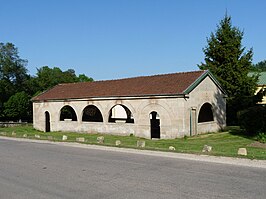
[{"x": 202, "y": 158}]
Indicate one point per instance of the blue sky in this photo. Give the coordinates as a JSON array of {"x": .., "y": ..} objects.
[{"x": 110, "y": 39}]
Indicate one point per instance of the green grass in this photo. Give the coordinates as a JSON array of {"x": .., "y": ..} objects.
[{"x": 223, "y": 143}]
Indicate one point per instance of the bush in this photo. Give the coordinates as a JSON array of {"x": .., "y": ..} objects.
[
  {"x": 18, "y": 107},
  {"x": 253, "y": 120},
  {"x": 261, "y": 137}
]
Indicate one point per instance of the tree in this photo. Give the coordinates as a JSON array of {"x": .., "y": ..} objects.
[
  {"x": 227, "y": 60},
  {"x": 48, "y": 77},
  {"x": 15, "y": 83},
  {"x": 260, "y": 66},
  {"x": 18, "y": 106},
  {"x": 84, "y": 78},
  {"x": 13, "y": 73}
]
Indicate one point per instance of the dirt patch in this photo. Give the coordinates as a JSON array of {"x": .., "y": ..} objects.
[{"x": 258, "y": 145}]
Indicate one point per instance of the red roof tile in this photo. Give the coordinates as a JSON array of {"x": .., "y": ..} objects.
[{"x": 166, "y": 84}]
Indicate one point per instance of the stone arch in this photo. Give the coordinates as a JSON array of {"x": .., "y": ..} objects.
[
  {"x": 165, "y": 116},
  {"x": 206, "y": 113},
  {"x": 91, "y": 113},
  {"x": 120, "y": 113},
  {"x": 67, "y": 112}
]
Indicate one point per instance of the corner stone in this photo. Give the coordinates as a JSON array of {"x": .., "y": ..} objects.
[
  {"x": 3, "y": 133},
  {"x": 141, "y": 143},
  {"x": 117, "y": 143},
  {"x": 242, "y": 151},
  {"x": 171, "y": 148},
  {"x": 100, "y": 140},
  {"x": 80, "y": 139},
  {"x": 64, "y": 137},
  {"x": 206, "y": 148},
  {"x": 37, "y": 136}
]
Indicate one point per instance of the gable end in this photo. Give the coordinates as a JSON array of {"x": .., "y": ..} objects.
[{"x": 200, "y": 79}]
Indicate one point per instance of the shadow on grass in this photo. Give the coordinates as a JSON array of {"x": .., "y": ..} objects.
[{"x": 236, "y": 130}]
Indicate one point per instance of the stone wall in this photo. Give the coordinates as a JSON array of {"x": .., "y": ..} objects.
[
  {"x": 12, "y": 124},
  {"x": 208, "y": 92},
  {"x": 140, "y": 109}
]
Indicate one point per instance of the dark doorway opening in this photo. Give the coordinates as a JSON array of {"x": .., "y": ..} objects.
[
  {"x": 47, "y": 122},
  {"x": 155, "y": 125}
]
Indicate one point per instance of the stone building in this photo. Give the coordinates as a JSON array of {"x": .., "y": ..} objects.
[{"x": 160, "y": 106}]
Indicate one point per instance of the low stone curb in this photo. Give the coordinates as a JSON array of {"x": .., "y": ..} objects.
[{"x": 202, "y": 158}]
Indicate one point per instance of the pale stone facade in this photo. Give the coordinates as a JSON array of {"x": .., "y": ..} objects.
[{"x": 178, "y": 115}]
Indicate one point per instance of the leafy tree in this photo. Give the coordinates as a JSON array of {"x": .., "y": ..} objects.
[
  {"x": 84, "y": 78},
  {"x": 49, "y": 77},
  {"x": 18, "y": 106},
  {"x": 13, "y": 73},
  {"x": 16, "y": 86},
  {"x": 227, "y": 60},
  {"x": 260, "y": 66}
]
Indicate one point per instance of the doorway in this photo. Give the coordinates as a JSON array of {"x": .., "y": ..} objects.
[
  {"x": 155, "y": 125},
  {"x": 47, "y": 122}
]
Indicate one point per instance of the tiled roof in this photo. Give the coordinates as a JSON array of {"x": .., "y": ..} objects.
[{"x": 166, "y": 84}]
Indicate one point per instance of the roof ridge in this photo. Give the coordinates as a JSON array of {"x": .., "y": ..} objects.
[
  {"x": 163, "y": 74},
  {"x": 143, "y": 76}
]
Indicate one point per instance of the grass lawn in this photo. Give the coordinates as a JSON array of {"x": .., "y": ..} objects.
[{"x": 223, "y": 143}]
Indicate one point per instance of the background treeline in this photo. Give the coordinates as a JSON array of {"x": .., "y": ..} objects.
[
  {"x": 17, "y": 86},
  {"x": 259, "y": 67}
]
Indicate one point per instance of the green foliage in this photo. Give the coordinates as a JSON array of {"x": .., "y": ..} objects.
[
  {"x": 261, "y": 137},
  {"x": 259, "y": 67},
  {"x": 226, "y": 59},
  {"x": 14, "y": 79},
  {"x": 253, "y": 120},
  {"x": 84, "y": 78},
  {"x": 185, "y": 137},
  {"x": 18, "y": 106},
  {"x": 49, "y": 77},
  {"x": 13, "y": 73}
]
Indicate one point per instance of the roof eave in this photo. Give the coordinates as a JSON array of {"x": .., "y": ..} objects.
[{"x": 178, "y": 95}]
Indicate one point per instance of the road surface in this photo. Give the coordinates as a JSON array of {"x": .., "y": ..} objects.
[{"x": 47, "y": 171}]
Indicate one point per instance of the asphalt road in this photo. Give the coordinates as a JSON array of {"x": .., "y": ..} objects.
[{"x": 42, "y": 170}]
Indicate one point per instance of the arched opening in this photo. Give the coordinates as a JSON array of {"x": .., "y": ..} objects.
[
  {"x": 68, "y": 113},
  {"x": 120, "y": 113},
  {"x": 92, "y": 114},
  {"x": 205, "y": 113},
  {"x": 155, "y": 125},
  {"x": 47, "y": 122}
]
